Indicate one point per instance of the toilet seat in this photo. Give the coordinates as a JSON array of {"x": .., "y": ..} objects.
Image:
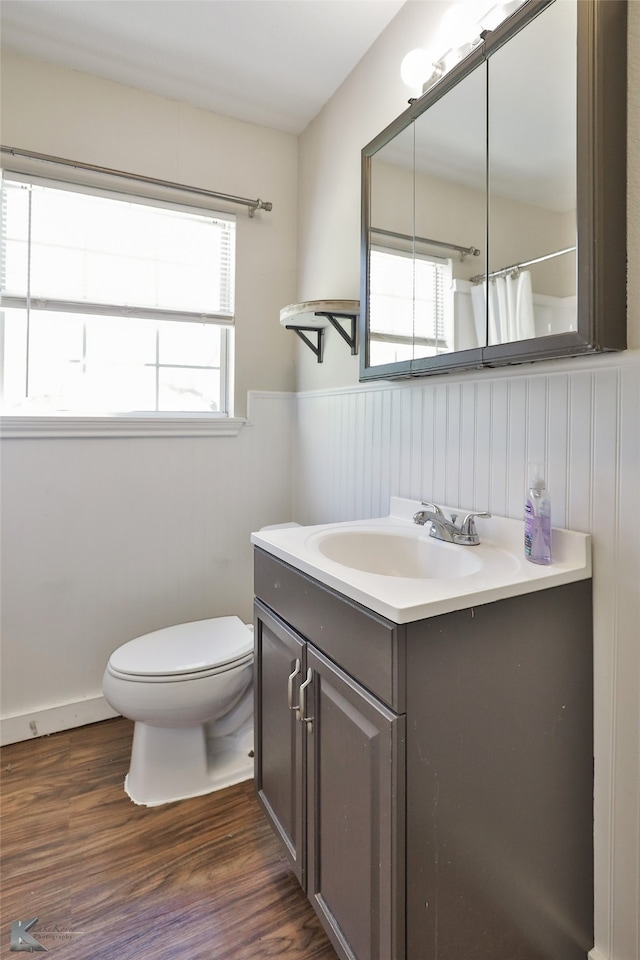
[{"x": 187, "y": 651}]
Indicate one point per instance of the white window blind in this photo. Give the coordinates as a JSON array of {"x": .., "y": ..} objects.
[
  {"x": 408, "y": 304},
  {"x": 113, "y": 304}
]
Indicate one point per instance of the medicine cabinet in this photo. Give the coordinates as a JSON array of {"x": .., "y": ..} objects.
[{"x": 494, "y": 207}]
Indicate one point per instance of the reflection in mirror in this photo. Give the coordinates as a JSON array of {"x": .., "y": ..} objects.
[
  {"x": 451, "y": 207},
  {"x": 532, "y": 181},
  {"x": 428, "y": 224},
  {"x": 391, "y": 251}
]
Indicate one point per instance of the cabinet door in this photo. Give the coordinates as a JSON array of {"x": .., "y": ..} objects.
[
  {"x": 279, "y": 740},
  {"x": 356, "y": 800}
]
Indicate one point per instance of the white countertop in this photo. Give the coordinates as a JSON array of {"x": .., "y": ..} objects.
[{"x": 502, "y": 569}]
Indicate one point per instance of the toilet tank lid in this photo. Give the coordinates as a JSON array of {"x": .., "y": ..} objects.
[{"x": 185, "y": 648}]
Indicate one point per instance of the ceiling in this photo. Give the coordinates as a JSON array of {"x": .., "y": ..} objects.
[{"x": 271, "y": 62}]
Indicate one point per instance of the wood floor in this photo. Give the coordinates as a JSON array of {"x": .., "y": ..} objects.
[{"x": 109, "y": 880}]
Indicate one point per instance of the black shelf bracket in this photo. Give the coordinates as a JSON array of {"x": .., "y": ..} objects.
[
  {"x": 341, "y": 314},
  {"x": 302, "y": 332},
  {"x": 348, "y": 338}
]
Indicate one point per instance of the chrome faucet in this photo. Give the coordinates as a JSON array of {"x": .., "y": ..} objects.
[{"x": 443, "y": 529}]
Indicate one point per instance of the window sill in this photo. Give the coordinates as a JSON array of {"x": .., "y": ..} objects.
[{"x": 30, "y": 427}]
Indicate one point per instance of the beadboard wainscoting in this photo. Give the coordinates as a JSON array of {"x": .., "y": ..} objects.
[
  {"x": 105, "y": 538},
  {"x": 465, "y": 440}
]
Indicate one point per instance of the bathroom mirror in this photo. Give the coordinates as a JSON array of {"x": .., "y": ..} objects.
[
  {"x": 493, "y": 209},
  {"x": 531, "y": 194}
]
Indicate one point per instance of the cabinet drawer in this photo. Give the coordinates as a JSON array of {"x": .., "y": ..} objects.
[{"x": 368, "y": 647}]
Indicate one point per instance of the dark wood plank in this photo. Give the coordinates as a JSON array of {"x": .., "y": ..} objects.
[{"x": 203, "y": 878}]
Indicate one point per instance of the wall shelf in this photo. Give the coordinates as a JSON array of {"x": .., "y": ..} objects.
[{"x": 312, "y": 317}]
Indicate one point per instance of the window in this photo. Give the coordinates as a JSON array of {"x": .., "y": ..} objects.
[
  {"x": 408, "y": 304},
  {"x": 113, "y": 304}
]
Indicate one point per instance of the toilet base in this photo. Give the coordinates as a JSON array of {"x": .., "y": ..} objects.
[{"x": 170, "y": 764}]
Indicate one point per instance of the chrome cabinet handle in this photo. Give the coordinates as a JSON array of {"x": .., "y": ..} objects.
[
  {"x": 292, "y": 676},
  {"x": 303, "y": 699}
]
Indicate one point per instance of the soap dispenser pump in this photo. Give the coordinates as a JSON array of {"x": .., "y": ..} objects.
[{"x": 537, "y": 517}]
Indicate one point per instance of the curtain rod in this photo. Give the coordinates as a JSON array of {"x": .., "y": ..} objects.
[
  {"x": 252, "y": 205},
  {"x": 518, "y": 266},
  {"x": 463, "y": 251}
]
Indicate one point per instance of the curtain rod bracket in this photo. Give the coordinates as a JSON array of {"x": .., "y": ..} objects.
[{"x": 260, "y": 205}]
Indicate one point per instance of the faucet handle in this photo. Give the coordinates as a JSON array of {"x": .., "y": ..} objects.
[
  {"x": 435, "y": 509},
  {"x": 468, "y": 527}
]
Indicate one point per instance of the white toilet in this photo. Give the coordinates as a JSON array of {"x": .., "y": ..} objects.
[{"x": 189, "y": 690}]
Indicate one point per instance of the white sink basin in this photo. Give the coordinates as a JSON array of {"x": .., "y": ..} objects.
[
  {"x": 398, "y": 555},
  {"x": 395, "y": 568}
]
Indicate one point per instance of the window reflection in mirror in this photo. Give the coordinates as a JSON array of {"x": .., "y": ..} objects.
[
  {"x": 428, "y": 230},
  {"x": 451, "y": 207},
  {"x": 532, "y": 181},
  {"x": 391, "y": 251}
]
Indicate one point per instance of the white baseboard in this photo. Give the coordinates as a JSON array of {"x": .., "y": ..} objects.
[{"x": 40, "y": 723}]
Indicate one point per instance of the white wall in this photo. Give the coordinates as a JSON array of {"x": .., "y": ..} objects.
[
  {"x": 65, "y": 113},
  {"x": 107, "y": 538},
  {"x": 466, "y": 439}
]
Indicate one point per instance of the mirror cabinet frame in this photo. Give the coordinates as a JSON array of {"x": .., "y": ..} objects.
[{"x": 601, "y": 234}]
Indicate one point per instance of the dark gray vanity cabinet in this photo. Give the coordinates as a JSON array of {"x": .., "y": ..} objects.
[
  {"x": 500, "y": 780},
  {"x": 281, "y": 751},
  {"x": 329, "y": 779},
  {"x": 435, "y": 794}
]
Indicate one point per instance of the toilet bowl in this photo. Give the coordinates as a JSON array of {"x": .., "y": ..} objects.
[{"x": 188, "y": 689}]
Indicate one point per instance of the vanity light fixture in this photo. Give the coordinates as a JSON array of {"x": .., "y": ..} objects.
[
  {"x": 415, "y": 67},
  {"x": 449, "y": 60},
  {"x": 418, "y": 69}
]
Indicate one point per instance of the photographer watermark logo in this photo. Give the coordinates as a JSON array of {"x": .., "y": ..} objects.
[
  {"x": 52, "y": 934},
  {"x": 21, "y": 939}
]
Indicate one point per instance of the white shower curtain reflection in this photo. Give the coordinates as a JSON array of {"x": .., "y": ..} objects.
[
  {"x": 479, "y": 307},
  {"x": 509, "y": 311}
]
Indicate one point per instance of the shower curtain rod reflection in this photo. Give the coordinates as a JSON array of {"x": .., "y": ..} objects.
[
  {"x": 518, "y": 266},
  {"x": 252, "y": 205},
  {"x": 463, "y": 251}
]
